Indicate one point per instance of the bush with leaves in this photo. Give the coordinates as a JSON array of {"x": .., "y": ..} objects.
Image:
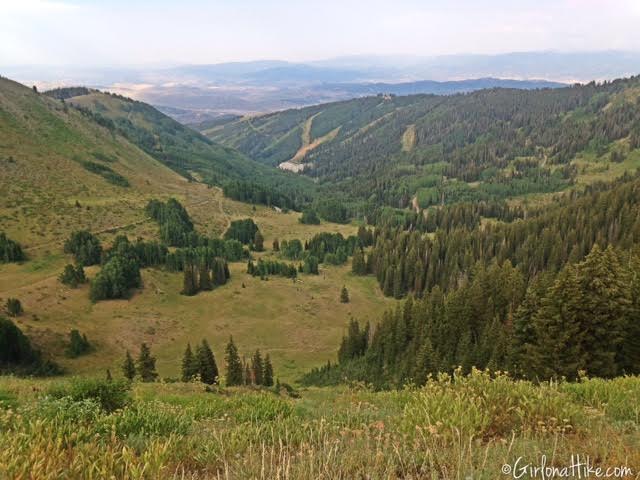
[
  {"x": 85, "y": 247},
  {"x": 73, "y": 276},
  {"x": 78, "y": 344}
]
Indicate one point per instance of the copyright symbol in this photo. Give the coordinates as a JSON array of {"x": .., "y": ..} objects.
[{"x": 506, "y": 469}]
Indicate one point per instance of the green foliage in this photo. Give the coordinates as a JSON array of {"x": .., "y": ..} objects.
[
  {"x": 507, "y": 142},
  {"x": 14, "y": 307},
  {"x": 18, "y": 356},
  {"x": 280, "y": 194},
  {"x": 257, "y": 369},
  {"x": 110, "y": 395},
  {"x": 128, "y": 367},
  {"x": 207, "y": 367},
  {"x": 78, "y": 344},
  {"x": 189, "y": 365},
  {"x": 10, "y": 251},
  {"x": 116, "y": 278},
  {"x": 176, "y": 227},
  {"x": 106, "y": 172},
  {"x": 267, "y": 373},
  {"x": 258, "y": 242},
  {"x": 291, "y": 249},
  {"x": 309, "y": 217},
  {"x": 242, "y": 230},
  {"x": 146, "y": 364},
  {"x": 332, "y": 210},
  {"x": 310, "y": 265},
  {"x": 73, "y": 276},
  {"x": 264, "y": 268},
  {"x": 85, "y": 247},
  {"x": 344, "y": 295},
  {"x": 234, "y": 365}
]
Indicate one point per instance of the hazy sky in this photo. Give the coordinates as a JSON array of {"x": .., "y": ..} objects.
[{"x": 134, "y": 32}]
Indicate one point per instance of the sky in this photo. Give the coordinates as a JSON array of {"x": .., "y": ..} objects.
[{"x": 162, "y": 32}]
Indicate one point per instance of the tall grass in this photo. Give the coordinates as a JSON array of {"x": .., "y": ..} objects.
[{"x": 455, "y": 427}]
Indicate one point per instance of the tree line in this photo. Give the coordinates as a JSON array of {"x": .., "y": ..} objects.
[
  {"x": 200, "y": 364},
  {"x": 584, "y": 318}
]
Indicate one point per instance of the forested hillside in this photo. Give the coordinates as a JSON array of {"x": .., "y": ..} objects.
[
  {"x": 548, "y": 296},
  {"x": 186, "y": 151},
  {"x": 487, "y": 145}
]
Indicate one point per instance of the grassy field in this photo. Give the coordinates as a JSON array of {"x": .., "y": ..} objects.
[
  {"x": 298, "y": 323},
  {"x": 460, "y": 428}
]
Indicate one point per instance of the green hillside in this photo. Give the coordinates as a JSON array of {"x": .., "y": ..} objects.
[
  {"x": 182, "y": 149},
  {"x": 424, "y": 149},
  {"x": 61, "y": 171}
]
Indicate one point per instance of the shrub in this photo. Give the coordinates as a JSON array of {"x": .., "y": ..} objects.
[
  {"x": 73, "y": 276},
  {"x": 310, "y": 217},
  {"x": 78, "y": 344},
  {"x": 116, "y": 278},
  {"x": 14, "y": 307},
  {"x": 110, "y": 395},
  {"x": 10, "y": 251},
  {"x": 85, "y": 247}
]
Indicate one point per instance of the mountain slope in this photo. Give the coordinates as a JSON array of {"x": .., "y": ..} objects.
[
  {"x": 493, "y": 143},
  {"x": 61, "y": 171}
]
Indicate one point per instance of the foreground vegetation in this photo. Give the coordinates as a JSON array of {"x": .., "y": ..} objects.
[{"x": 454, "y": 427}]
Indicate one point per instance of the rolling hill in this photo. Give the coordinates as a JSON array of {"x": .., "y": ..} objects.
[
  {"x": 489, "y": 144},
  {"x": 64, "y": 170}
]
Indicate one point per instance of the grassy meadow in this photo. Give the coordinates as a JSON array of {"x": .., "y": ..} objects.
[
  {"x": 453, "y": 428},
  {"x": 298, "y": 323}
]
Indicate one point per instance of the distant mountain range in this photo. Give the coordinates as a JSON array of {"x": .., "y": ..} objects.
[{"x": 196, "y": 93}]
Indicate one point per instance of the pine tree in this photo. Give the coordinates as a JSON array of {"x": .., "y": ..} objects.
[
  {"x": 267, "y": 375},
  {"x": 248, "y": 377},
  {"x": 189, "y": 285},
  {"x": 233, "y": 364},
  {"x": 558, "y": 333},
  {"x": 207, "y": 364},
  {"x": 189, "y": 365},
  {"x": 146, "y": 364},
  {"x": 358, "y": 264},
  {"x": 344, "y": 295},
  {"x": 204, "y": 277},
  {"x": 128, "y": 367},
  {"x": 257, "y": 368},
  {"x": 258, "y": 242}
]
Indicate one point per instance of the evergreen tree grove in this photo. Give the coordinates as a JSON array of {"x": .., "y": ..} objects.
[{"x": 233, "y": 365}]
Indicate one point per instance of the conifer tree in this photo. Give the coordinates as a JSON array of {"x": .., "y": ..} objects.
[
  {"x": 189, "y": 364},
  {"x": 189, "y": 285},
  {"x": 267, "y": 375},
  {"x": 257, "y": 368},
  {"x": 258, "y": 242},
  {"x": 358, "y": 264},
  {"x": 204, "y": 277},
  {"x": 146, "y": 364},
  {"x": 128, "y": 367},
  {"x": 207, "y": 364},
  {"x": 233, "y": 365},
  {"x": 248, "y": 377},
  {"x": 344, "y": 295}
]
